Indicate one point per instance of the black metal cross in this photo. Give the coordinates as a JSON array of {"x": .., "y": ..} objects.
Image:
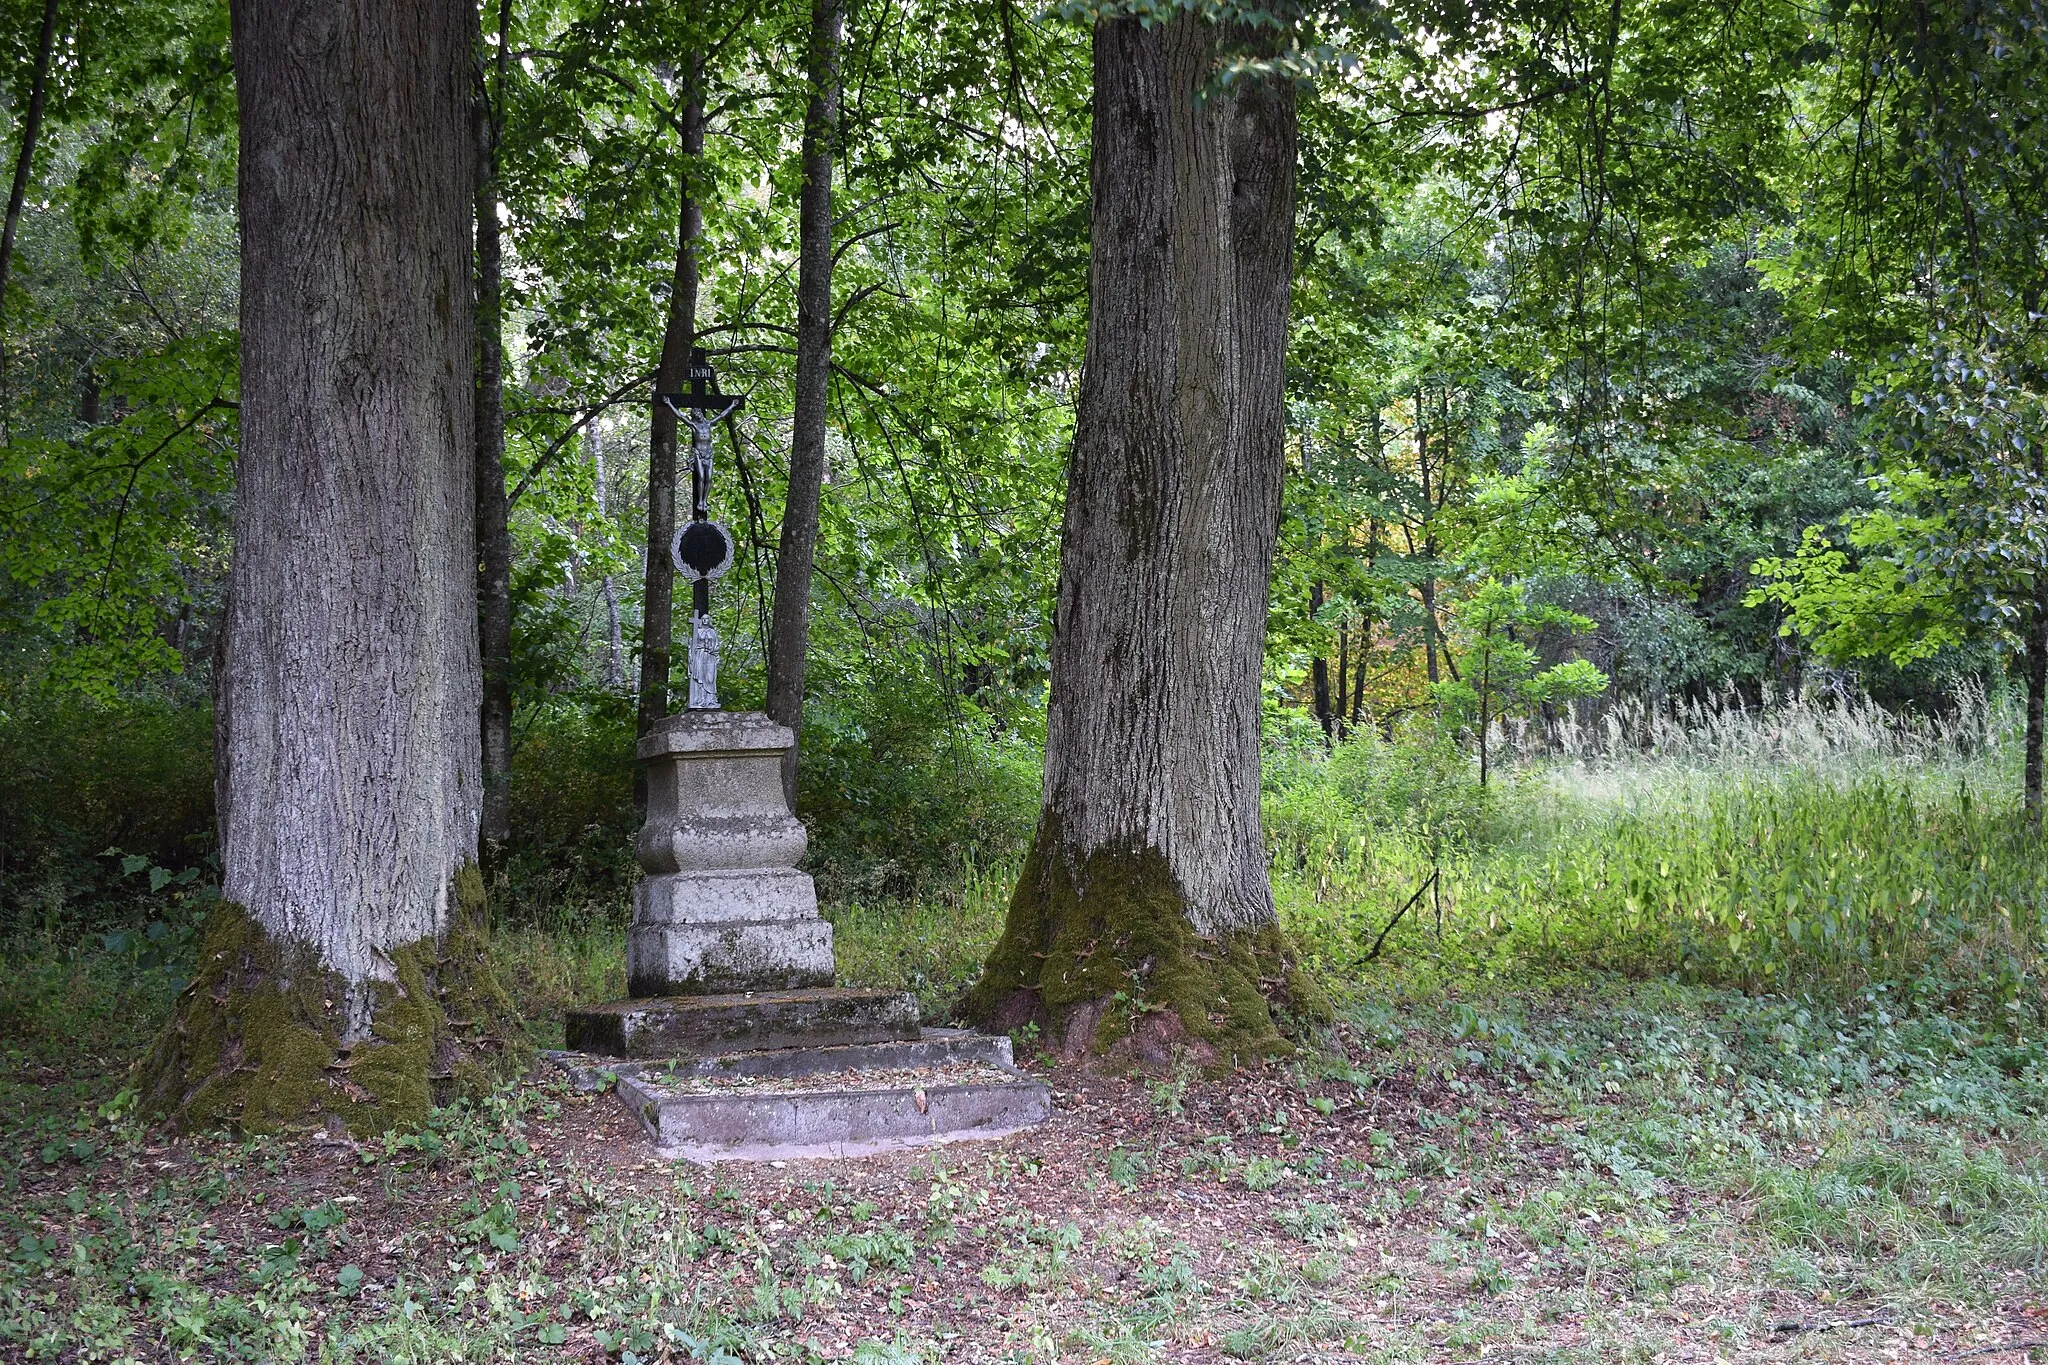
[{"x": 703, "y": 397}]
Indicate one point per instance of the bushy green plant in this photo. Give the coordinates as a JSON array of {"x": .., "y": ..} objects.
[
  {"x": 571, "y": 857},
  {"x": 1326, "y": 805},
  {"x": 900, "y": 789},
  {"x": 1503, "y": 675},
  {"x": 897, "y": 793},
  {"x": 90, "y": 785},
  {"x": 932, "y": 943}
]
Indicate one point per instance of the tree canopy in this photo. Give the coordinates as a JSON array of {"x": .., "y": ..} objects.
[{"x": 1718, "y": 329}]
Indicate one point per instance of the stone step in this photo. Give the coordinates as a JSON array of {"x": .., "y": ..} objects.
[
  {"x": 719, "y": 1025},
  {"x": 588, "y": 1072},
  {"x": 932, "y": 1047},
  {"x": 830, "y": 1115}
]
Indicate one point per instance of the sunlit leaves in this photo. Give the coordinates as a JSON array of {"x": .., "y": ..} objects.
[{"x": 108, "y": 535}]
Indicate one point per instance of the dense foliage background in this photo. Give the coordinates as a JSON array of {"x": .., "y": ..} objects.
[
  {"x": 1661, "y": 603},
  {"x": 1642, "y": 370}
]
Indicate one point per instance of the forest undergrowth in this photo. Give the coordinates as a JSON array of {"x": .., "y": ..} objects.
[{"x": 1722, "y": 1039}]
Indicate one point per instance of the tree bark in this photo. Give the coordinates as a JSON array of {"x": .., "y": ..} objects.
[
  {"x": 790, "y": 626},
  {"x": 1144, "y": 921},
  {"x": 346, "y": 975},
  {"x": 1485, "y": 690},
  {"x": 2037, "y": 702},
  {"x": 1343, "y": 676},
  {"x": 615, "y": 647},
  {"x": 1319, "y": 671},
  {"x": 493, "y": 512},
  {"x": 24, "y": 158},
  {"x": 1358, "y": 672},
  {"x": 672, "y": 375}
]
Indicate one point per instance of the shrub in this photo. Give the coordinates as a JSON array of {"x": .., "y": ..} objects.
[
  {"x": 1321, "y": 803},
  {"x": 898, "y": 792},
  {"x": 87, "y": 784},
  {"x": 570, "y": 861}
]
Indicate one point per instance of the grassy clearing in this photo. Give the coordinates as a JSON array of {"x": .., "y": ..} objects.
[
  {"x": 1810, "y": 850},
  {"x": 1648, "y": 1170},
  {"x": 1568, "y": 1128}
]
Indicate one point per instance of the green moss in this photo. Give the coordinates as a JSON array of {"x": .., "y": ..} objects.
[
  {"x": 1105, "y": 961},
  {"x": 255, "y": 1041}
]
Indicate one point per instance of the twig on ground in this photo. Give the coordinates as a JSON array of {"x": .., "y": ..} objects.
[{"x": 1792, "y": 1326}]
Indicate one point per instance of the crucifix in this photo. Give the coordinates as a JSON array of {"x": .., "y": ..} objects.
[{"x": 702, "y": 548}]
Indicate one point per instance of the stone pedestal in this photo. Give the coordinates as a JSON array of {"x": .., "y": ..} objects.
[
  {"x": 736, "y": 1045},
  {"x": 722, "y": 907}
]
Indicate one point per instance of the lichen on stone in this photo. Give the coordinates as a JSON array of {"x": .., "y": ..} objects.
[
  {"x": 1105, "y": 961},
  {"x": 256, "y": 1041}
]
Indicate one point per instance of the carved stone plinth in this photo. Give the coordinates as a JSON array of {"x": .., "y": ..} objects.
[
  {"x": 722, "y": 906},
  {"x": 736, "y": 1045}
]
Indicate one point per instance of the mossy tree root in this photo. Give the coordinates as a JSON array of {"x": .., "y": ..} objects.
[
  {"x": 1107, "y": 964},
  {"x": 256, "y": 1041}
]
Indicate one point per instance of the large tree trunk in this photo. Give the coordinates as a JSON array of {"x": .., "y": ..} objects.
[
  {"x": 24, "y": 163},
  {"x": 493, "y": 512},
  {"x": 1144, "y": 920},
  {"x": 2037, "y": 704},
  {"x": 346, "y": 974},
  {"x": 25, "y": 153},
  {"x": 790, "y": 631},
  {"x": 657, "y": 624},
  {"x": 1358, "y": 673}
]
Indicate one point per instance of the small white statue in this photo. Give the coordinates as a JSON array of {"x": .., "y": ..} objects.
[{"x": 703, "y": 664}]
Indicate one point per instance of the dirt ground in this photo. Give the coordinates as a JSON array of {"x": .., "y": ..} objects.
[{"x": 1388, "y": 1210}]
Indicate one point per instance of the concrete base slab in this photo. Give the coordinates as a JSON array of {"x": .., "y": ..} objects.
[
  {"x": 710, "y": 1119},
  {"x": 718, "y": 1025},
  {"x": 859, "y": 1099},
  {"x": 934, "y": 1047}
]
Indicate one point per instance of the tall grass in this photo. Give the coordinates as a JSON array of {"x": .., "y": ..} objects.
[
  {"x": 1820, "y": 732},
  {"x": 1813, "y": 846},
  {"x": 932, "y": 942}
]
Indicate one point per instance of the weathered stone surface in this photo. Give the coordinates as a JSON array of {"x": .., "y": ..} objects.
[
  {"x": 722, "y": 906},
  {"x": 675, "y": 959},
  {"x": 586, "y": 1072},
  {"x": 706, "y": 1026},
  {"x": 762, "y": 1125},
  {"x": 728, "y": 896},
  {"x": 714, "y": 794},
  {"x": 933, "y": 1047},
  {"x": 714, "y": 732}
]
